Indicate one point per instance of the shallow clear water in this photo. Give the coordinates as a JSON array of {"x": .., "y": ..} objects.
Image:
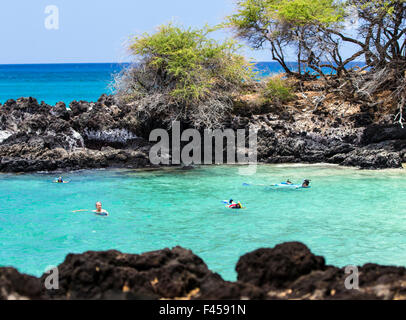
[{"x": 348, "y": 216}]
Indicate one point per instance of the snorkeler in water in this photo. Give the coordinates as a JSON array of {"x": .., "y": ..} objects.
[
  {"x": 236, "y": 206},
  {"x": 233, "y": 205},
  {"x": 60, "y": 180}
]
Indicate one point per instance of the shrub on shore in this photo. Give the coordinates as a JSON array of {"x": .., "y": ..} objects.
[
  {"x": 278, "y": 90},
  {"x": 182, "y": 74}
]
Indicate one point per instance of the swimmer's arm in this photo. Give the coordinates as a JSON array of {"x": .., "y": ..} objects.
[{"x": 83, "y": 210}]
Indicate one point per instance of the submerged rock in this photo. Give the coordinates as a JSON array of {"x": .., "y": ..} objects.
[{"x": 288, "y": 271}]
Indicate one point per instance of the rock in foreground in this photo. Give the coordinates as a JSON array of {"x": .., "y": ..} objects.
[
  {"x": 288, "y": 271},
  {"x": 16, "y": 286}
]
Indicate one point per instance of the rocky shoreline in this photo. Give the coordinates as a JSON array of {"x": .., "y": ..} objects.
[
  {"x": 39, "y": 137},
  {"x": 287, "y": 271}
]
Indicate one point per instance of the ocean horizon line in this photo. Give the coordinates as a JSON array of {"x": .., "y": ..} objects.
[
  {"x": 100, "y": 63},
  {"x": 59, "y": 63}
]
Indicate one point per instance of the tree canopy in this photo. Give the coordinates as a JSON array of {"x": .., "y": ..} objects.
[
  {"x": 186, "y": 69},
  {"x": 284, "y": 25},
  {"x": 315, "y": 30}
]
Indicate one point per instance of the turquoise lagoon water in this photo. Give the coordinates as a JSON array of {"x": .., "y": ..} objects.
[{"x": 349, "y": 216}]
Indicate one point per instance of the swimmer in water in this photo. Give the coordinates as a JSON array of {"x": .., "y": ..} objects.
[
  {"x": 237, "y": 206},
  {"x": 99, "y": 210},
  {"x": 233, "y": 205},
  {"x": 60, "y": 180}
]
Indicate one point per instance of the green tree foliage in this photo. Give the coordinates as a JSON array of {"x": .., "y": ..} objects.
[
  {"x": 383, "y": 31},
  {"x": 189, "y": 62},
  {"x": 295, "y": 25},
  {"x": 316, "y": 31},
  {"x": 187, "y": 71}
]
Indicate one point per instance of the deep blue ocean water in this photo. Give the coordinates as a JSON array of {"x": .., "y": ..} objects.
[
  {"x": 57, "y": 82},
  {"x": 67, "y": 82}
]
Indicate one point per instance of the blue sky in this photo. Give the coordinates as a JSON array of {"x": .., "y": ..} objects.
[{"x": 96, "y": 30}]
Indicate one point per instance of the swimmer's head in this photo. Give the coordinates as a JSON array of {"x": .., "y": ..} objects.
[{"x": 98, "y": 205}]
